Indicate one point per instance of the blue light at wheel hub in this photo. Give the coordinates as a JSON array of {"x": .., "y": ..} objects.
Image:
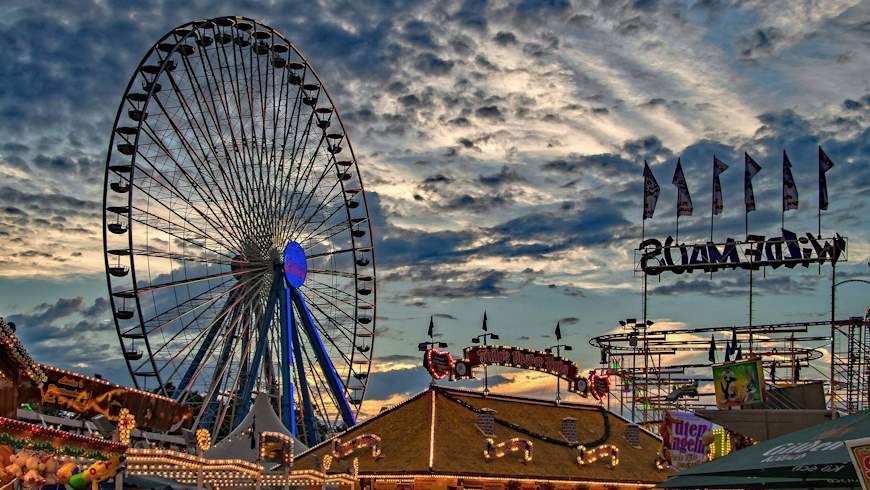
[{"x": 295, "y": 264}]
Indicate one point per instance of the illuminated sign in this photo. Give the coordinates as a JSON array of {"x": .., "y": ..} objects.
[
  {"x": 438, "y": 363},
  {"x": 89, "y": 397},
  {"x": 517, "y": 357},
  {"x": 295, "y": 264},
  {"x": 755, "y": 252}
]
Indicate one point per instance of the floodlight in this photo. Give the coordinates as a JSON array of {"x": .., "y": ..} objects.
[
  {"x": 475, "y": 340},
  {"x": 442, "y": 345},
  {"x": 493, "y": 336},
  {"x": 567, "y": 347}
]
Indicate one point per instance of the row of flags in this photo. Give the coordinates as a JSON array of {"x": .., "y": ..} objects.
[{"x": 651, "y": 188}]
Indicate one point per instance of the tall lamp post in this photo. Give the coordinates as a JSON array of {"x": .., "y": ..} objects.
[
  {"x": 559, "y": 348},
  {"x": 484, "y": 337}
]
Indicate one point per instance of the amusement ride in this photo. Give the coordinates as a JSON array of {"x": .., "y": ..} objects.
[{"x": 238, "y": 248}]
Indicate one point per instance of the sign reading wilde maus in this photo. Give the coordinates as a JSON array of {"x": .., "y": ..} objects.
[
  {"x": 753, "y": 253},
  {"x": 505, "y": 355}
]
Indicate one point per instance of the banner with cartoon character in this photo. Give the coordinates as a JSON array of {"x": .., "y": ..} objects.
[{"x": 738, "y": 383}]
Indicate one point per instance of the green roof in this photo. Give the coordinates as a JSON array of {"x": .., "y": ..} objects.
[{"x": 816, "y": 453}]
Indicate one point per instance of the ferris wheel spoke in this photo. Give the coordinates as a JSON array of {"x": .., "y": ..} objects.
[
  {"x": 317, "y": 226},
  {"x": 166, "y": 184},
  {"x": 196, "y": 127},
  {"x": 288, "y": 208},
  {"x": 272, "y": 166},
  {"x": 313, "y": 240},
  {"x": 224, "y": 109},
  {"x": 304, "y": 179},
  {"x": 205, "y": 298},
  {"x": 221, "y": 368},
  {"x": 163, "y": 225},
  {"x": 336, "y": 386},
  {"x": 244, "y": 190},
  {"x": 288, "y": 125},
  {"x": 341, "y": 328},
  {"x": 305, "y": 203},
  {"x": 210, "y": 342},
  {"x": 328, "y": 199},
  {"x": 181, "y": 257},
  {"x": 318, "y": 385}
]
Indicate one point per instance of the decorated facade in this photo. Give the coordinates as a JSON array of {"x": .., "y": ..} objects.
[{"x": 448, "y": 438}]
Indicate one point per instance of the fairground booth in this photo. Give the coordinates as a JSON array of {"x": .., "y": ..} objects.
[
  {"x": 61, "y": 427},
  {"x": 446, "y": 438}
]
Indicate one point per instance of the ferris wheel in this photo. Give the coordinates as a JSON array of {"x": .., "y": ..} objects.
[{"x": 238, "y": 248}]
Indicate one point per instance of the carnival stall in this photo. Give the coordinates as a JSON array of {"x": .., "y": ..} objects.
[{"x": 449, "y": 438}]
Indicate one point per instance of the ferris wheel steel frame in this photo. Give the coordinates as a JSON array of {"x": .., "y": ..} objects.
[{"x": 210, "y": 199}]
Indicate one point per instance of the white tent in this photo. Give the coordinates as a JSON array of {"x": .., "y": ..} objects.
[{"x": 240, "y": 444}]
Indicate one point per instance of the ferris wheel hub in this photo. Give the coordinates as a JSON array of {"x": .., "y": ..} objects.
[{"x": 295, "y": 264}]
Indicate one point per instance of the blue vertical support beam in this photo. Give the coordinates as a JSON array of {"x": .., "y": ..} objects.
[
  {"x": 288, "y": 405},
  {"x": 208, "y": 418},
  {"x": 307, "y": 407},
  {"x": 200, "y": 353},
  {"x": 332, "y": 379},
  {"x": 262, "y": 340}
]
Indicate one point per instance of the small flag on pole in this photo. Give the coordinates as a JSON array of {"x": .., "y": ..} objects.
[
  {"x": 718, "y": 167},
  {"x": 651, "y": 191},
  {"x": 789, "y": 189},
  {"x": 825, "y": 164},
  {"x": 485, "y": 328},
  {"x": 739, "y": 355},
  {"x": 734, "y": 340},
  {"x": 752, "y": 168},
  {"x": 711, "y": 353},
  {"x": 558, "y": 332},
  {"x": 431, "y": 331},
  {"x": 727, "y": 352},
  {"x": 684, "y": 200}
]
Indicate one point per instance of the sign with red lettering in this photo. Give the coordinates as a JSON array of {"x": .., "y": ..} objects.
[
  {"x": 516, "y": 357},
  {"x": 682, "y": 439}
]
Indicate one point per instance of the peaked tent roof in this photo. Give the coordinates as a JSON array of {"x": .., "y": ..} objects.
[
  {"x": 439, "y": 426},
  {"x": 237, "y": 445},
  {"x": 816, "y": 452}
]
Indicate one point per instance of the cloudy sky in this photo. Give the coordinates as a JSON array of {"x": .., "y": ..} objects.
[{"x": 501, "y": 143}]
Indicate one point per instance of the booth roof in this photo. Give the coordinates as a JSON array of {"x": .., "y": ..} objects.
[
  {"x": 434, "y": 434},
  {"x": 237, "y": 444},
  {"x": 814, "y": 453}
]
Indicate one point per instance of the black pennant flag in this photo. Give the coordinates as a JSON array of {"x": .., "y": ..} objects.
[
  {"x": 752, "y": 168},
  {"x": 558, "y": 332},
  {"x": 739, "y": 354},
  {"x": 431, "y": 328},
  {"x": 727, "y": 352},
  {"x": 651, "y": 191},
  {"x": 684, "y": 200},
  {"x": 485, "y": 328},
  {"x": 711, "y": 354},
  {"x": 825, "y": 164},
  {"x": 718, "y": 203},
  {"x": 789, "y": 188}
]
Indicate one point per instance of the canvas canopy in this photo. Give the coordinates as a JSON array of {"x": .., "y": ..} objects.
[
  {"x": 238, "y": 444},
  {"x": 816, "y": 454}
]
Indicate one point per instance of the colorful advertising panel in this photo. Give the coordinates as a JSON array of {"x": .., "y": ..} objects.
[
  {"x": 738, "y": 383},
  {"x": 683, "y": 439},
  {"x": 859, "y": 452}
]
